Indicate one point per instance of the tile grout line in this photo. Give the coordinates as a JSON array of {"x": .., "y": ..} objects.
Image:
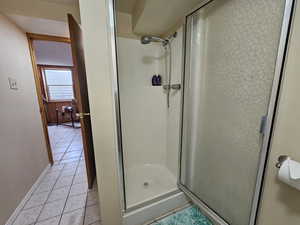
[
  {"x": 22, "y": 209},
  {"x": 68, "y": 193},
  {"x": 43, "y": 206},
  {"x": 60, "y": 172},
  {"x": 66, "y": 150},
  {"x": 86, "y": 201}
]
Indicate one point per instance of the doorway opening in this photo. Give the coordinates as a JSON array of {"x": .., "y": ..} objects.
[{"x": 61, "y": 85}]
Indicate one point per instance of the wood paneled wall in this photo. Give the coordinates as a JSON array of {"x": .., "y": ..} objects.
[{"x": 51, "y": 111}]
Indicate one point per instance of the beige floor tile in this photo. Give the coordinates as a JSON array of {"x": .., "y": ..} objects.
[
  {"x": 72, "y": 154},
  {"x": 80, "y": 179},
  {"x": 75, "y": 202},
  {"x": 52, "y": 209},
  {"x": 92, "y": 215},
  {"x": 59, "y": 149},
  {"x": 70, "y": 160},
  {"x": 68, "y": 172},
  {"x": 92, "y": 198},
  {"x": 73, "y": 218},
  {"x": 63, "y": 182},
  {"x": 28, "y": 216},
  {"x": 36, "y": 200},
  {"x": 46, "y": 185},
  {"x": 59, "y": 194},
  {"x": 56, "y": 168},
  {"x": 52, "y": 221},
  {"x": 71, "y": 165},
  {"x": 77, "y": 189}
]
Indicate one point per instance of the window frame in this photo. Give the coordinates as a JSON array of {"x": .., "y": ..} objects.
[{"x": 43, "y": 68}]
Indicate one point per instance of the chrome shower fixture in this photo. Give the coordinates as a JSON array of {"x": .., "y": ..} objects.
[
  {"x": 148, "y": 39},
  {"x": 166, "y": 43}
]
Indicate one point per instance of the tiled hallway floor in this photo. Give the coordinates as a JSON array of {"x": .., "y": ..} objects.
[{"x": 62, "y": 197}]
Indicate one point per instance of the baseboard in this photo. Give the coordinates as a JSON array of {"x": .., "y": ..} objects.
[{"x": 26, "y": 198}]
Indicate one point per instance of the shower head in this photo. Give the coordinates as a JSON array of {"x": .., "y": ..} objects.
[{"x": 149, "y": 39}]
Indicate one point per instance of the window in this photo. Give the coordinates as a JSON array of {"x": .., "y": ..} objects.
[{"x": 59, "y": 84}]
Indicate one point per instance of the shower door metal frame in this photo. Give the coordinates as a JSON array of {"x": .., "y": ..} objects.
[
  {"x": 270, "y": 119},
  {"x": 111, "y": 8}
]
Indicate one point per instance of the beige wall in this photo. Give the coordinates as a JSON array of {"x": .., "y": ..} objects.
[
  {"x": 23, "y": 155},
  {"x": 281, "y": 203},
  {"x": 94, "y": 17}
]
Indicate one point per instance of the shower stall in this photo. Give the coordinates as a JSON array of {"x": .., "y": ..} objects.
[
  {"x": 205, "y": 131},
  {"x": 150, "y": 129}
]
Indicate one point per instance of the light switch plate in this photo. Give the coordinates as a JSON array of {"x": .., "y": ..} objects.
[{"x": 12, "y": 83}]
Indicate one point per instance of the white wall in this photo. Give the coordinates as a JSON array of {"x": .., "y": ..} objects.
[
  {"x": 143, "y": 106},
  {"x": 150, "y": 129},
  {"x": 53, "y": 53},
  {"x": 23, "y": 151}
]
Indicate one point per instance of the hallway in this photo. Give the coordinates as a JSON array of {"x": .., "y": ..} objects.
[{"x": 62, "y": 196}]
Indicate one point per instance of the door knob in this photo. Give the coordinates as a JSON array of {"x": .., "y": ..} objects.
[{"x": 82, "y": 115}]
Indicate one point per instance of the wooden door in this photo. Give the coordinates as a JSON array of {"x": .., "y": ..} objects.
[{"x": 81, "y": 92}]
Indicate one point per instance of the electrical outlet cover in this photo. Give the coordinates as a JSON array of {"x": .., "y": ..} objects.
[{"x": 12, "y": 83}]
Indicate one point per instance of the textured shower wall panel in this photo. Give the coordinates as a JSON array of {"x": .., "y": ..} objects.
[
  {"x": 143, "y": 107},
  {"x": 223, "y": 144}
]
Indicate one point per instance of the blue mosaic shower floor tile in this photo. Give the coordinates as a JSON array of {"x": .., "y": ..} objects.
[{"x": 188, "y": 216}]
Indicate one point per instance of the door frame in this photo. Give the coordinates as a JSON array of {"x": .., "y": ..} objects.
[
  {"x": 269, "y": 123},
  {"x": 32, "y": 37}
]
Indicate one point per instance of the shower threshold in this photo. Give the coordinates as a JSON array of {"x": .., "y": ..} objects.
[
  {"x": 152, "y": 200},
  {"x": 148, "y": 212}
]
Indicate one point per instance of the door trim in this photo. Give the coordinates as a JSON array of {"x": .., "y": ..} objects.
[
  {"x": 271, "y": 116},
  {"x": 31, "y": 37}
]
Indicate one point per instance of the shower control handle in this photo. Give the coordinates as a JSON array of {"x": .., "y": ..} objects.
[
  {"x": 176, "y": 86},
  {"x": 166, "y": 87},
  {"x": 172, "y": 86}
]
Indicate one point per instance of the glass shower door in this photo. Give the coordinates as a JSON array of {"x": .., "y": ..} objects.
[{"x": 231, "y": 52}]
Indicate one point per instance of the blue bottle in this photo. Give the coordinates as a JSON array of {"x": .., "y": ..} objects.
[
  {"x": 154, "y": 80},
  {"x": 158, "y": 80}
]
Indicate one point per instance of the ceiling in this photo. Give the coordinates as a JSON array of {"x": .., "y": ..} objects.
[
  {"x": 41, "y": 16},
  {"x": 67, "y": 2},
  {"x": 40, "y": 26},
  {"x": 126, "y": 6},
  {"x": 156, "y": 17}
]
